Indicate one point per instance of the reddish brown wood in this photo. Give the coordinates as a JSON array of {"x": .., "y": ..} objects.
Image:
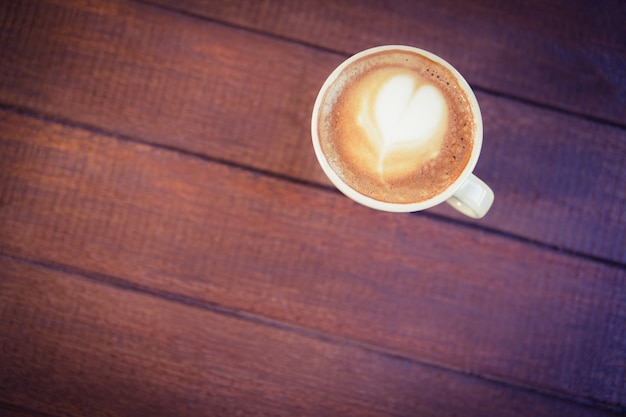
[
  {"x": 10, "y": 410},
  {"x": 163, "y": 78},
  {"x": 74, "y": 347},
  {"x": 168, "y": 245},
  {"x": 567, "y": 54},
  {"x": 180, "y": 81},
  {"x": 561, "y": 183},
  {"x": 417, "y": 287}
]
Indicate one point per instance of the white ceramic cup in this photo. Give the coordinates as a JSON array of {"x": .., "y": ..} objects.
[{"x": 468, "y": 194}]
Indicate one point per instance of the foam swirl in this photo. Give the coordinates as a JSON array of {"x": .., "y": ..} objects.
[
  {"x": 403, "y": 116},
  {"x": 396, "y": 126}
]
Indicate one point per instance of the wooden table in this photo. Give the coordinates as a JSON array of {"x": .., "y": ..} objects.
[{"x": 170, "y": 247}]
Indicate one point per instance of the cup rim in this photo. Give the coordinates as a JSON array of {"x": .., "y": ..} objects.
[{"x": 384, "y": 205}]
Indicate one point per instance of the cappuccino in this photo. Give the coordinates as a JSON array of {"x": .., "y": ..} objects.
[{"x": 396, "y": 126}]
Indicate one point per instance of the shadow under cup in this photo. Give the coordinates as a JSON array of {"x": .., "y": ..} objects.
[{"x": 375, "y": 124}]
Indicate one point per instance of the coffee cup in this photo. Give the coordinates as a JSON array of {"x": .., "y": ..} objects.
[{"x": 397, "y": 128}]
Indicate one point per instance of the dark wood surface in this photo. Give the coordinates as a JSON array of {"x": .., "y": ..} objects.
[{"x": 169, "y": 246}]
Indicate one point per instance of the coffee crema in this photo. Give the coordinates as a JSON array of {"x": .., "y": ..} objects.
[{"x": 396, "y": 126}]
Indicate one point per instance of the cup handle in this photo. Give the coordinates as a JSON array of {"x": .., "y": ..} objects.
[{"x": 473, "y": 198}]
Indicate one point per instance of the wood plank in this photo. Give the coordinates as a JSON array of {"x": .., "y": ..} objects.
[
  {"x": 561, "y": 183},
  {"x": 566, "y": 54},
  {"x": 178, "y": 81},
  {"x": 9, "y": 410},
  {"x": 412, "y": 285},
  {"x": 75, "y": 347}
]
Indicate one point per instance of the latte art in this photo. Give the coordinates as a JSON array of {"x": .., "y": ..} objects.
[
  {"x": 403, "y": 116},
  {"x": 396, "y": 126}
]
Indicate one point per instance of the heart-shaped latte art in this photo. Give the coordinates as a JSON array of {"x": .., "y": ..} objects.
[{"x": 403, "y": 115}]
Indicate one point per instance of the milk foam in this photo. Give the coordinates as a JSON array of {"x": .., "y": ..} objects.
[
  {"x": 396, "y": 127},
  {"x": 404, "y": 115}
]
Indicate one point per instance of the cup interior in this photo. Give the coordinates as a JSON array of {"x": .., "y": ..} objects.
[{"x": 383, "y": 205}]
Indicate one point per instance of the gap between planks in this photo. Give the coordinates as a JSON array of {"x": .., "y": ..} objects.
[
  {"x": 438, "y": 217},
  {"x": 257, "y": 319},
  {"x": 345, "y": 54}
]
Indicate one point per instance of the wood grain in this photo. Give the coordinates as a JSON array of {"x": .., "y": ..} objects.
[
  {"x": 74, "y": 347},
  {"x": 168, "y": 245},
  {"x": 231, "y": 95},
  {"x": 9, "y": 410},
  {"x": 566, "y": 54},
  {"x": 420, "y": 288}
]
